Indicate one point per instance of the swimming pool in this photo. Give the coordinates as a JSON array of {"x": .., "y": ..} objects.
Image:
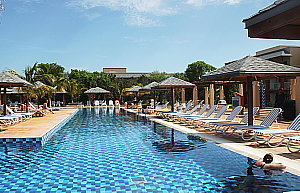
[{"x": 101, "y": 151}]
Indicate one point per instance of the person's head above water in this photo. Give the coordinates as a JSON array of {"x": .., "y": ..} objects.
[{"x": 268, "y": 158}]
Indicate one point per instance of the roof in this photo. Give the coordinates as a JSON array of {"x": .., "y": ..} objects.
[
  {"x": 130, "y": 75},
  {"x": 149, "y": 86},
  {"x": 173, "y": 82},
  {"x": 252, "y": 66},
  {"x": 134, "y": 89},
  {"x": 9, "y": 80},
  {"x": 96, "y": 90},
  {"x": 38, "y": 84},
  {"x": 280, "y": 20},
  {"x": 275, "y": 8},
  {"x": 283, "y": 52}
]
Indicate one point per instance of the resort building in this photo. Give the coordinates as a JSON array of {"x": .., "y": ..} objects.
[
  {"x": 289, "y": 55},
  {"x": 280, "y": 20},
  {"x": 123, "y": 74}
]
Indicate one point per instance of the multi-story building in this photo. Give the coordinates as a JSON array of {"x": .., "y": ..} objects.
[{"x": 289, "y": 55}]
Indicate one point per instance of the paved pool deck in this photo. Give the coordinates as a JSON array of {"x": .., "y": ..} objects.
[{"x": 37, "y": 127}]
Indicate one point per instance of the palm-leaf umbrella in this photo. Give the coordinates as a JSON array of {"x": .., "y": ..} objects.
[
  {"x": 172, "y": 83},
  {"x": 7, "y": 80}
]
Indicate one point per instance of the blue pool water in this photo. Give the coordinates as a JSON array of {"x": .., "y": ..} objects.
[{"x": 101, "y": 151}]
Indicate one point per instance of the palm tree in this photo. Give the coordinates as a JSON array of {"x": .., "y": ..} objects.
[
  {"x": 73, "y": 88},
  {"x": 30, "y": 72},
  {"x": 118, "y": 86}
]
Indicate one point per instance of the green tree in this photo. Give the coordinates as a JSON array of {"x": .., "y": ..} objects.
[
  {"x": 30, "y": 72},
  {"x": 50, "y": 68},
  {"x": 158, "y": 76},
  {"x": 195, "y": 70},
  {"x": 73, "y": 89}
]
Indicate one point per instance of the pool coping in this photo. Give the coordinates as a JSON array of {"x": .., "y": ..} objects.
[
  {"x": 41, "y": 140},
  {"x": 292, "y": 165}
]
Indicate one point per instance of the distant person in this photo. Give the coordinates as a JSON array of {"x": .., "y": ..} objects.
[
  {"x": 134, "y": 101},
  {"x": 45, "y": 106},
  {"x": 279, "y": 98}
]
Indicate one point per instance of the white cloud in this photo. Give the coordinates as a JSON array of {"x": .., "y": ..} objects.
[
  {"x": 136, "y": 12},
  {"x": 144, "y": 12},
  {"x": 232, "y": 2},
  {"x": 200, "y": 3}
]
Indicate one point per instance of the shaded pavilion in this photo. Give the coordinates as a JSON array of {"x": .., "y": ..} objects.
[
  {"x": 151, "y": 87},
  {"x": 251, "y": 69},
  {"x": 97, "y": 90},
  {"x": 8, "y": 80},
  {"x": 280, "y": 20},
  {"x": 135, "y": 90},
  {"x": 62, "y": 92},
  {"x": 173, "y": 83}
]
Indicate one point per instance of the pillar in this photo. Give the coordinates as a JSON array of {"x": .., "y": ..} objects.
[
  {"x": 206, "y": 95},
  {"x": 293, "y": 89},
  {"x": 241, "y": 89},
  {"x": 297, "y": 95},
  {"x": 256, "y": 94},
  {"x": 211, "y": 95},
  {"x": 222, "y": 93},
  {"x": 183, "y": 95},
  {"x": 195, "y": 95}
]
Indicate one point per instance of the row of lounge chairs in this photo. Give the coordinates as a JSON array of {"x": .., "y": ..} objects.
[
  {"x": 101, "y": 103},
  {"x": 263, "y": 133},
  {"x": 12, "y": 118}
]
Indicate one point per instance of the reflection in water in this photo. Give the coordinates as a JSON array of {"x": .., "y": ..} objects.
[{"x": 167, "y": 142}]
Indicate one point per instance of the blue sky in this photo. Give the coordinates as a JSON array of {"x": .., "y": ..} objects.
[{"x": 142, "y": 35}]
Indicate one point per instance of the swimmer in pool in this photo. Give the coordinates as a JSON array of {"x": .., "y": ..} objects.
[{"x": 267, "y": 163}]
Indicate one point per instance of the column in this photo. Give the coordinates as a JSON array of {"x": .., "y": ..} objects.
[
  {"x": 297, "y": 95},
  {"x": 211, "y": 95},
  {"x": 293, "y": 89},
  {"x": 183, "y": 95},
  {"x": 195, "y": 95},
  {"x": 222, "y": 92},
  {"x": 241, "y": 89},
  {"x": 206, "y": 95},
  {"x": 256, "y": 94}
]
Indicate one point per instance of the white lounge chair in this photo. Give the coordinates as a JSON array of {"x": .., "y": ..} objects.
[
  {"x": 229, "y": 118},
  {"x": 199, "y": 121},
  {"x": 265, "y": 124},
  {"x": 223, "y": 127},
  {"x": 111, "y": 103},
  {"x": 181, "y": 116},
  {"x": 96, "y": 102},
  {"x": 267, "y": 135}
]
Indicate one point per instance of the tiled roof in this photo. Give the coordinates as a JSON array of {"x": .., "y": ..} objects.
[
  {"x": 96, "y": 90},
  {"x": 134, "y": 89},
  {"x": 149, "y": 86},
  {"x": 9, "y": 80},
  {"x": 252, "y": 65},
  {"x": 175, "y": 82},
  {"x": 283, "y": 52},
  {"x": 268, "y": 8},
  {"x": 38, "y": 84},
  {"x": 130, "y": 75}
]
